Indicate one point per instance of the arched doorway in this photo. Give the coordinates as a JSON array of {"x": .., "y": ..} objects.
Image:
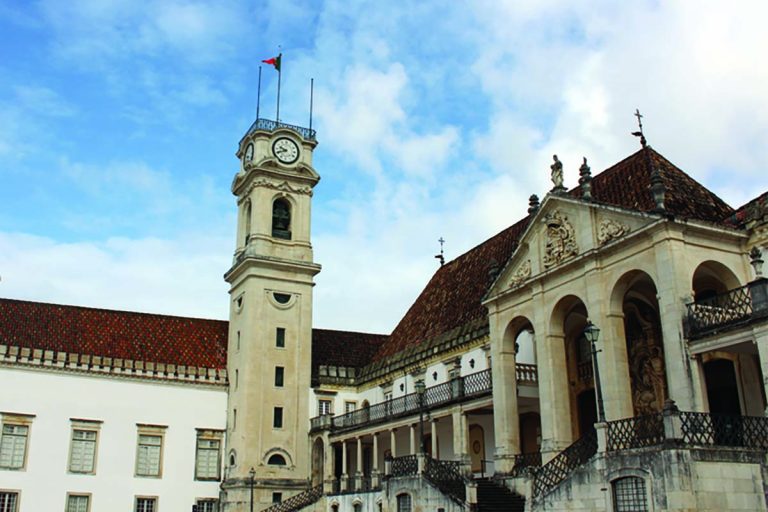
[{"x": 318, "y": 461}]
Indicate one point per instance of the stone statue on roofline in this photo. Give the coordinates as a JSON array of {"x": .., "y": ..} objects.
[{"x": 557, "y": 175}]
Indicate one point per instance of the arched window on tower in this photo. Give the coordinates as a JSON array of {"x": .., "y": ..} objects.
[
  {"x": 281, "y": 219},
  {"x": 276, "y": 460}
]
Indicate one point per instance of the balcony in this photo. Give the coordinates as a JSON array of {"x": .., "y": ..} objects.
[
  {"x": 734, "y": 308},
  {"x": 469, "y": 387},
  {"x": 268, "y": 125}
]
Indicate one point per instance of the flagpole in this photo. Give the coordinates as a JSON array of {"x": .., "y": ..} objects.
[
  {"x": 279, "y": 74},
  {"x": 311, "y": 98},
  {"x": 258, "y": 96}
]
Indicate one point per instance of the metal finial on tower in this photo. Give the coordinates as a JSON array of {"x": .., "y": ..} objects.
[
  {"x": 639, "y": 133},
  {"x": 441, "y": 256}
]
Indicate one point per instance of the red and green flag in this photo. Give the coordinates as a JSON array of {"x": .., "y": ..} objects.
[{"x": 274, "y": 61}]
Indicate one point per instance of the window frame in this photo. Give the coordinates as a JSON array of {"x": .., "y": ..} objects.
[
  {"x": 350, "y": 406},
  {"x": 207, "y": 501},
  {"x": 85, "y": 495},
  {"x": 644, "y": 486},
  {"x": 155, "y": 499},
  {"x": 410, "y": 502},
  {"x": 208, "y": 435},
  {"x": 8, "y": 419},
  {"x": 275, "y": 410},
  {"x": 81, "y": 425},
  {"x": 149, "y": 431},
  {"x": 279, "y": 376},
  {"x": 321, "y": 401},
  {"x": 280, "y": 335},
  {"x": 17, "y": 494}
]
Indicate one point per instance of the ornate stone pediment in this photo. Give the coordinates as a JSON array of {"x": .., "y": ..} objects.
[
  {"x": 282, "y": 186},
  {"x": 522, "y": 273},
  {"x": 611, "y": 229},
  {"x": 561, "y": 239}
]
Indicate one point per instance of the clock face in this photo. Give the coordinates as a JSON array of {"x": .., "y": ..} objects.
[
  {"x": 285, "y": 150},
  {"x": 249, "y": 153}
]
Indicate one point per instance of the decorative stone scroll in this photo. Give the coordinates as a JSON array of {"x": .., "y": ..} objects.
[
  {"x": 561, "y": 239},
  {"x": 281, "y": 186},
  {"x": 610, "y": 230},
  {"x": 522, "y": 273}
]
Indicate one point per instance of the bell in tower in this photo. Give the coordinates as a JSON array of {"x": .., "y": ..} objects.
[{"x": 270, "y": 326}]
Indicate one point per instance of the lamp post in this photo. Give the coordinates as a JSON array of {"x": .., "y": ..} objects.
[
  {"x": 252, "y": 474},
  {"x": 420, "y": 390},
  {"x": 591, "y": 333}
]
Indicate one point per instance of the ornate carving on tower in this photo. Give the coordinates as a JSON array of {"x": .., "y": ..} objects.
[
  {"x": 561, "y": 239},
  {"x": 610, "y": 230},
  {"x": 522, "y": 273}
]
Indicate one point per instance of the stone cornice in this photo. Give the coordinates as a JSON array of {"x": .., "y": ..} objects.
[{"x": 24, "y": 357}]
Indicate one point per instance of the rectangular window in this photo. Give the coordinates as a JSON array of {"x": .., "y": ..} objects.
[
  {"x": 208, "y": 456},
  {"x": 277, "y": 419},
  {"x": 349, "y": 406},
  {"x": 82, "y": 451},
  {"x": 207, "y": 505},
  {"x": 277, "y": 497},
  {"x": 8, "y": 501},
  {"x": 324, "y": 407},
  {"x": 280, "y": 337},
  {"x": 146, "y": 504},
  {"x": 78, "y": 503},
  {"x": 279, "y": 376},
  {"x": 149, "y": 450},
  {"x": 13, "y": 446}
]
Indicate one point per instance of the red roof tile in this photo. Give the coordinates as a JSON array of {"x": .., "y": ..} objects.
[
  {"x": 117, "y": 334},
  {"x": 344, "y": 348}
]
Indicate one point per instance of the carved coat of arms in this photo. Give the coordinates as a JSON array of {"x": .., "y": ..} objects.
[{"x": 561, "y": 239}]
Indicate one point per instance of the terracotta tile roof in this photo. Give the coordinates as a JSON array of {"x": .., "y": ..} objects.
[
  {"x": 756, "y": 209},
  {"x": 452, "y": 297},
  {"x": 117, "y": 334},
  {"x": 344, "y": 348}
]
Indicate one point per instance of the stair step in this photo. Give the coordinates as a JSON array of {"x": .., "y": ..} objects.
[{"x": 492, "y": 497}]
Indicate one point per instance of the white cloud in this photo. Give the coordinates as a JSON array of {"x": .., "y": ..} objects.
[{"x": 151, "y": 275}]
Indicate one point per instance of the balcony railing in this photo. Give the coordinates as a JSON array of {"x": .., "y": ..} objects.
[
  {"x": 732, "y": 308},
  {"x": 469, "y": 386},
  {"x": 463, "y": 388},
  {"x": 268, "y": 125}
]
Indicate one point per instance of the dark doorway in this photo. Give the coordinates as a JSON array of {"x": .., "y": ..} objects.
[
  {"x": 587, "y": 411},
  {"x": 724, "y": 404}
]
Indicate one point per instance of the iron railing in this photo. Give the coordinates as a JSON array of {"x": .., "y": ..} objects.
[
  {"x": 407, "y": 465},
  {"x": 723, "y": 310},
  {"x": 700, "y": 428},
  {"x": 559, "y": 468},
  {"x": 268, "y": 125},
  {"x": 447, "y": 476},
  {"x": 298, "y": 501},
  {"x": 526, "y": 463},
  {"x": 637, "y": 432},
  {"x": 469, "y": 386}
]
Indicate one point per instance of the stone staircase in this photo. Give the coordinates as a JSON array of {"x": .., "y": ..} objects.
[
  {"x": 298, "y": 501},
  {"x": 492, "y": 497}
]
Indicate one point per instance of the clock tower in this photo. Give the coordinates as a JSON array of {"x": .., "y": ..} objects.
[{"x": 270, "y": 320}]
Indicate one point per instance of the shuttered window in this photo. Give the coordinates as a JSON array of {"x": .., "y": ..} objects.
[
  {"x": 207, "y": 467},
  {"x": 83, "y": 451},
  {"x": 13, "y": 446},
  {"x": 148, "y": 456}
]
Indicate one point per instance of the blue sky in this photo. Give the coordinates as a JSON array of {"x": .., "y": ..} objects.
[{"x": 119, "y": 121}]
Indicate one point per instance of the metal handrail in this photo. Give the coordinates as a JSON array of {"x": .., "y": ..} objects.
[
  {"x": 268, "y": 125},
  {"x": 730, "y": 307}
]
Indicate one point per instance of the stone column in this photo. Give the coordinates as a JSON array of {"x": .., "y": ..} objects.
[
  {"x": 614, "y": 367},
  {"x": 359, "y": 464},
  {"x": 460, "y": 438},
  {"x": 554, "y": 395},
  {"x": 506, "y": 421},
  {"x": 375, "y": 461},
  {"x": 393, "y": 442},
  {"x": 434, "y": 438},
  {"x": 673, "y": 288},
  {"x": 344, "y": 475},
  {"x": 413, "y": 439},
  {"x": 328, "y": 458},
  {"x": 761, "y": 340}
]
